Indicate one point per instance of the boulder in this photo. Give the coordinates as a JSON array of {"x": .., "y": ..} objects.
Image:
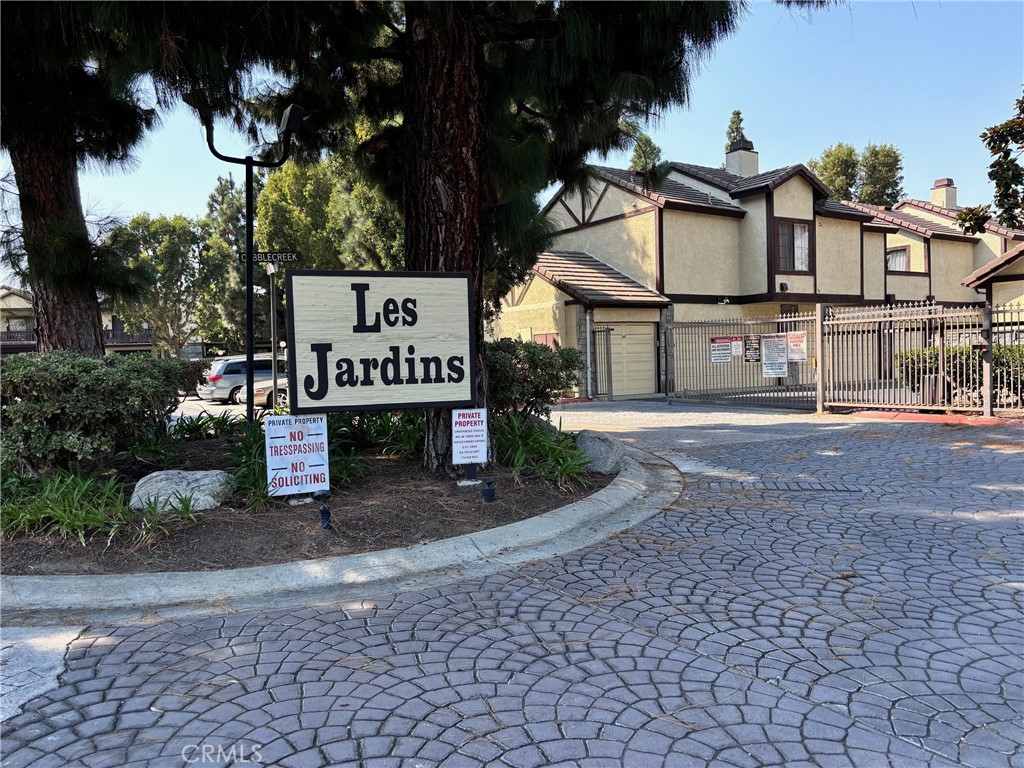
[
  {"x": 604, "y": 451},
  {"x": 207, "y": 490}
]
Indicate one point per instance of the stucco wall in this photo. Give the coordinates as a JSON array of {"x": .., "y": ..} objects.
[
  {"x": 615, "y": 201},
  {"x": 952, "y": 261},
  {"x": 874, "y": 266},
  {"x": 542, "y": 310},
  {"x": 625, "y": 244},
  {"x": 988, "y": 247},
  {"x": 837, "y": 256},
  {"x": 623, "y": 315},
  {"x": 916, "y": 245},
  {"x": 908, "y": 287},
  {"x": 1011, "y": 293},
  {"x": 795, "y": 283},
  {"x": 692, "y": 312},
  {"x": 753, "y": 246},
  {"x": 794, "y": 200},
  {"x": 701, "y": 253}
]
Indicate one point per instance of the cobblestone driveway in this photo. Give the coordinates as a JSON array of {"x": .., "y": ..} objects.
[{"x": 822, "y": 593}]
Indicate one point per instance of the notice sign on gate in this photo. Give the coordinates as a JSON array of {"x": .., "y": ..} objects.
[
  {"x": 296, "y": 454},
  {"x": 724, "y": 348},
  {"x": 796, "y": 342},
  {"x": 469, "y": 436},
  {"x": 774, "y": 355}
]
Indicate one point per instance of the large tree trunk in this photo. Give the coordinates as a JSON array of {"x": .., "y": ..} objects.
[
  {"x": 57, "y": 243},
  {"x": 445, "y": 170}
]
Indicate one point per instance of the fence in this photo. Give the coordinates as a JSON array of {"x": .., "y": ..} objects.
[
  {"x": 923, "y": 357},
  {"x": 602, "y": 367},
  {"x": 910, "y": 357},
  {"x": 728, "y": 360}
]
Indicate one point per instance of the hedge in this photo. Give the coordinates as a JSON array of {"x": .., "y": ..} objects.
[{"x": 964, "y": 368}]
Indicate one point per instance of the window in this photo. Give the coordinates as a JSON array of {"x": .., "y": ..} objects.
[
  {"x": 794, "y": 247},
  {"x": 897, "y": 260}
]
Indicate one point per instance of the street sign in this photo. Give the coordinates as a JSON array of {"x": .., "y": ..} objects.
[{"x": 261, "y": 257}]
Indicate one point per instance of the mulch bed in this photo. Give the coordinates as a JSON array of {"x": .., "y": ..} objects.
[{"x": 396, "y": 504}]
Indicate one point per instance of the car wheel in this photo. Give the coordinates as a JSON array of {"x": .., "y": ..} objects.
[
  {"x": 282, "y": 399},
  {"x": 233, "y": 397}
]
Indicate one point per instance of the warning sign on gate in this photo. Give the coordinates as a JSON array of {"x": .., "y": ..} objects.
[{"x": 296, "y": 454}]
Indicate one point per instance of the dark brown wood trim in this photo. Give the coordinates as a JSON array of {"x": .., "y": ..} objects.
[
  {"x": 772, "y": 244},
  {"x": 616, "y": 217},
  {"x": 862, "y": 258},
  {"x": 518, "y": 293},
  {"x": 905, "y": 273},
  {"x": 760, "y": 298},
  {"x": 659, "y": 250},
  {"x": 679, "y": 205},
  {"x": 812, "y": 250},
  {"x": 1004, "y": 279},
  {"x": 928, "y": 264},
  {"x": 597, "y": 203},
  {"x": 569, "y": 210},
  {"x": 826, "y": 214}
]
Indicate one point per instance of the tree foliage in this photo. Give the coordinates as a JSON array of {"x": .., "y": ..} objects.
[
  {"x": 734, "y": 131},
  {"x": 61, "y": 107},
  {"x": 838, "y": 168},
  {"x": 881, "y": 175},
  {"x": 186, "y": 262},
  {"x": 874, "y": 176},
  {"x": 1005, "y": 142}
]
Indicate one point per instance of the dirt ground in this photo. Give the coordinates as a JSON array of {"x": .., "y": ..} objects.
[{"x": 395, "y": 505}]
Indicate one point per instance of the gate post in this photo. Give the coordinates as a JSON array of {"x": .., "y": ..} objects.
[
  {"x": 986, "y": 360},
  {"x": 819, "y": 352}
]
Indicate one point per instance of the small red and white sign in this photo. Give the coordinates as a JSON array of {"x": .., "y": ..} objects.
[
  {"x": 296, "y": 454},
  {"x": 469, "y": 436}
]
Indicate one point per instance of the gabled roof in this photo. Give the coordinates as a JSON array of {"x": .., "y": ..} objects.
[
  {"x": 742, "y": 186},
  {"x": 593, "y": 282},
  {"x": 980, "y": 276},
  {"x": 669, "y": 193},
  {"x": 950, "y": 213},
  {"x": 837, "y": 210},
  {"x": 26, "y": 295},
  {"x": 915, "y": 224}
]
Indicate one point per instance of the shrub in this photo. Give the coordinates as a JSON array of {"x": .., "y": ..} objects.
[
  {"x": 63, "y": 410},
  {"x": 536, "y": 451},
  {"x": 525, "y": 378},
  {"x": 208, "y": 426},
  {"x": 963, "y": 366}
]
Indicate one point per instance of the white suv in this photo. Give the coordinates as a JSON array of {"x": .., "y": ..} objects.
[{"x": 225, "y": 380}]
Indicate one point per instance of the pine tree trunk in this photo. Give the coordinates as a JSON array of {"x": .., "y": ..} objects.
[
  {"x": 57, "y": 244},
  {"x": 445, "y": 170}
]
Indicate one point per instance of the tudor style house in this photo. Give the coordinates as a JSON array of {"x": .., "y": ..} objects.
[
  {"x": 930, "y": 255},
  {"x": 735, "y": 243}
]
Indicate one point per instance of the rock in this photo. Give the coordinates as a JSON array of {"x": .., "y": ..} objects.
[
  {"x": 604, "y": 451},
  {"x": 207, "y": 490}
]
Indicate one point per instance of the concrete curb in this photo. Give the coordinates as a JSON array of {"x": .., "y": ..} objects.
[{"x": 637, "y": 493}]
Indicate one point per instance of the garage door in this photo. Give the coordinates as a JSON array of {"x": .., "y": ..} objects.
[{"x": 634, "y": 358}]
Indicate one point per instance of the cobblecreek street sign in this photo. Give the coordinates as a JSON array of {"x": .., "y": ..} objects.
[
  {"x": 276, "y": 257},
  {"x": 379, "y": 340}
]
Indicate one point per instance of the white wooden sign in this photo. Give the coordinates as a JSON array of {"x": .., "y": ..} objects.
[
  {"x": 380, "y": 340},
  {"x": 469, "y": 436},
  {"x": 296, "y": 454}
]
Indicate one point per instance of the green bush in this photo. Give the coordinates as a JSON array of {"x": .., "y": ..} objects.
[
  {"x": 963, "y": 366},
  {"x": 525, "y": 378},
  {"x": 529, "y": 449},
  {"x": 63, "y": 410}
]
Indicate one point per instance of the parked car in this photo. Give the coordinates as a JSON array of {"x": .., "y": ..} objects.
[
  {"x": 263, "y": 389},
  {"x": 225, "y": 381}
]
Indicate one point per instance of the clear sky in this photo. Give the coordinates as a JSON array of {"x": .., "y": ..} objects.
[{"x": 926, "y": 76}]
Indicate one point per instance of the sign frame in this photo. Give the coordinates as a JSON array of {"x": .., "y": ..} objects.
[{"x": 471, "y": 367}]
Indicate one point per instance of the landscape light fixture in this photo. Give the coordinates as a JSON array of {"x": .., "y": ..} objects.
[{"x": 291, "y": 120}]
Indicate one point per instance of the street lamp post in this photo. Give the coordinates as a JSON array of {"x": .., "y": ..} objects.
[
  {"x": 290, "y": 122},
  {"x": 272, "y": 272}
]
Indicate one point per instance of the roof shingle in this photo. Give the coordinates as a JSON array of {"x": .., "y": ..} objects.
[
  {"x": 950, "y": 213},
  {"x": 669, "y": 191},
  {"x": 980, "y": 276},
  {"x": 741, "y": 186},
  {"x": 916, "y": 224},
  {"x": 593, "y": 282}
]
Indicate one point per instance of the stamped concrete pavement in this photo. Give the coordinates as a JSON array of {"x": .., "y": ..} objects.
[{"x": 823, "y": 592}]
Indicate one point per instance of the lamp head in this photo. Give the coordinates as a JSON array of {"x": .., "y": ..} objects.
[{"x": 291, "y": 119}]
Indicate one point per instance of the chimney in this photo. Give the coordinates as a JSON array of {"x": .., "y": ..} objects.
[
  {"x": 741, "y": 158},
  {"x": 944, "y": 193}
]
